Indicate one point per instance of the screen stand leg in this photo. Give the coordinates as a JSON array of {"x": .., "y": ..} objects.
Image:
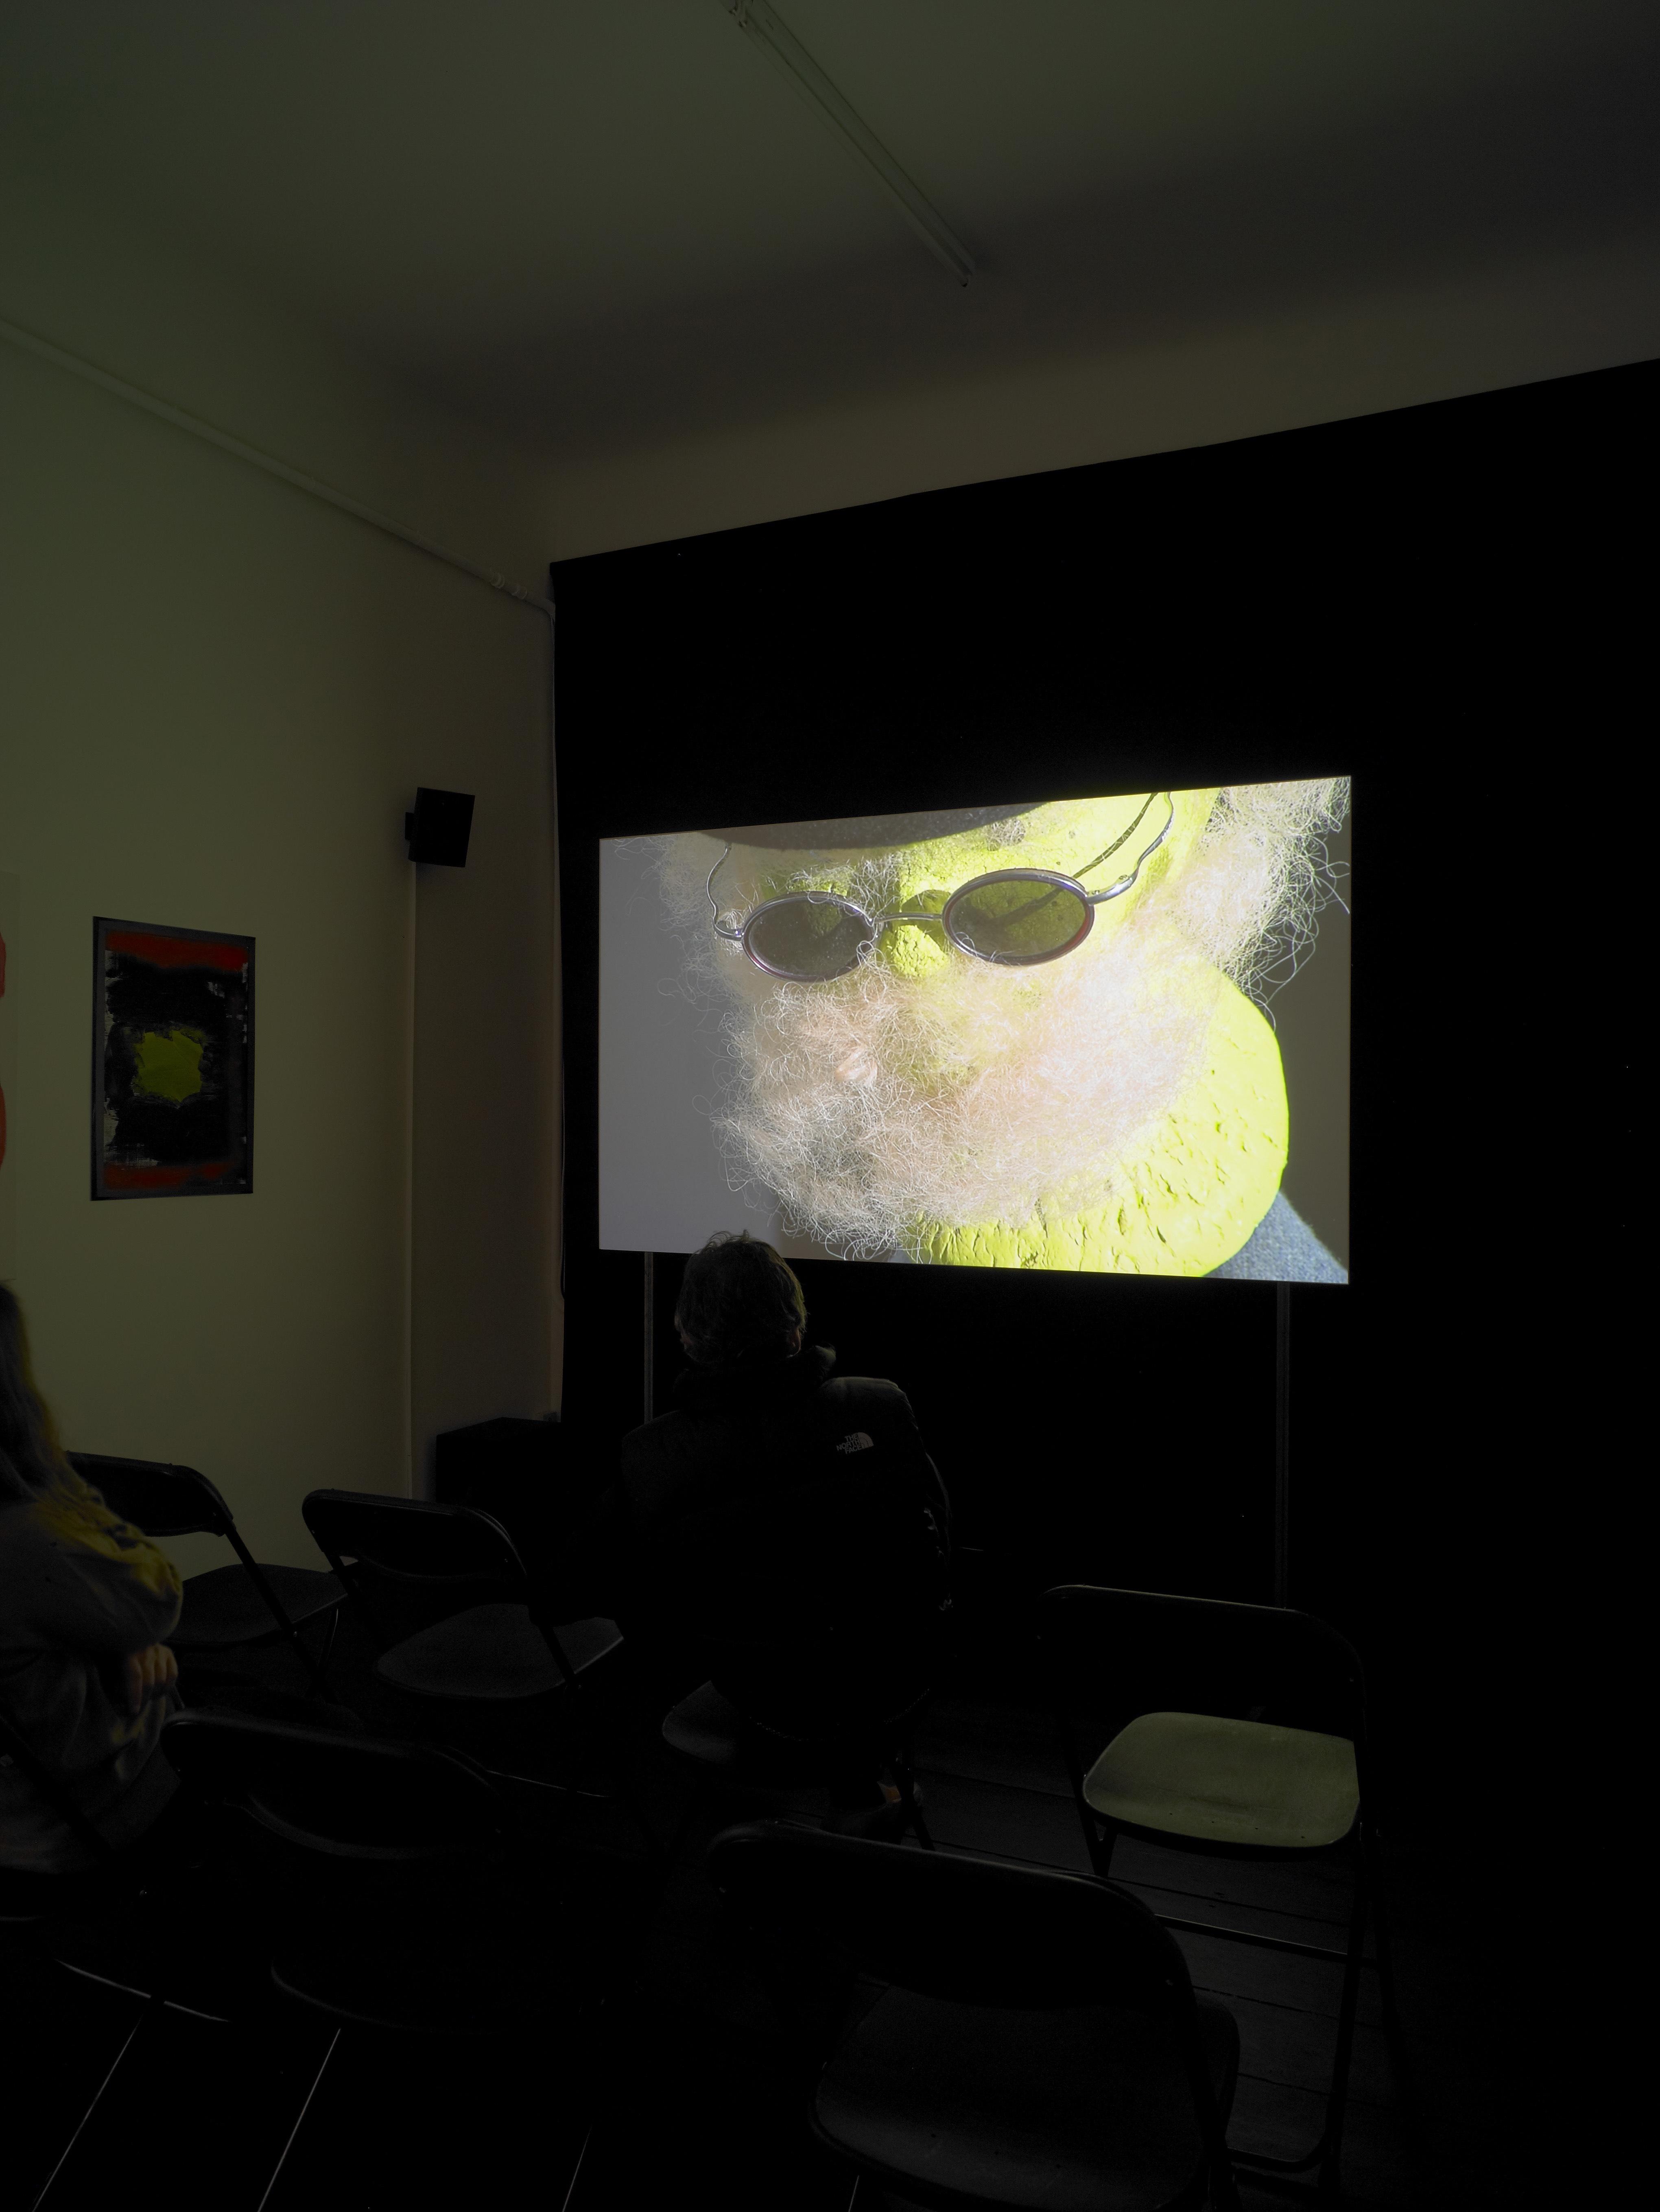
[
  {"x": 1281, "y": 1443},
  {"x": 650, "y": 1393}
]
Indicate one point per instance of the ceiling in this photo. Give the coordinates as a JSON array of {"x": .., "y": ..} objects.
[{"x": 595, "y": 226}]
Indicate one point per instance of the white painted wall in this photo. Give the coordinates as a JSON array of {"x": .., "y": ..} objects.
[
  {"x": 217, "y": 696},
  {"x": 1515, "y": 325}
]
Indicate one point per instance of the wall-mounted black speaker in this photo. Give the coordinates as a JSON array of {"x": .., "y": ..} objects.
[{"x": 439, "y": 827}]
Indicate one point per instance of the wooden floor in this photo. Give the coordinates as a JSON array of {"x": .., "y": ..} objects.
[{"x": 695, "y": 2102}]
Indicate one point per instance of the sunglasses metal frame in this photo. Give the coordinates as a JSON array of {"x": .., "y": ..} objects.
[{"x": 875, "y": 924}]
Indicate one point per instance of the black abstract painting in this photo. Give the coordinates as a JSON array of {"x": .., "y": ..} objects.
[{"x": 172, "y": 1062}]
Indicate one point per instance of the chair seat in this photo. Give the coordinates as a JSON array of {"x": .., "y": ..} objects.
[
  {"x": 1080, "y": 2111},
  {"x": 1238, "y": 1783},
  {"x": 708, "y": 1729},
  {"x": 255, "y": 1700},
  {"x": 222, "y": 1608},
  {"x": 492, "y": 1652}
]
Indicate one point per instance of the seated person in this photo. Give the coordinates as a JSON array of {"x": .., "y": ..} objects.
[
  {"x": 782, "y": 1531},
  {"x": 85, "y": 1675}
]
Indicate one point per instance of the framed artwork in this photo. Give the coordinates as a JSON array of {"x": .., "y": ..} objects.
[
  {"x": 172, "y": 1061},
  {"x": 8, "y": 1074}
]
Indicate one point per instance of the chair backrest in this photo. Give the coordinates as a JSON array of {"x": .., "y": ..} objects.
[
  {"x": 407, "y": 1562},
  {"x": 176, "y": 1501},
  {"x": 1116, "y": 1653},
  {"x": 341, "y": 1797},
  {"x": 160, "y": 1499},
  {"x": 952, "y": 1926}
]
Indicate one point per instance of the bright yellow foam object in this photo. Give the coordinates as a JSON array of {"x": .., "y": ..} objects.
[{"x": 1199, "y": 1188}]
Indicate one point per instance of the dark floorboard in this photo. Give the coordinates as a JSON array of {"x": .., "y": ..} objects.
[{"x": 695, "y": 2094}]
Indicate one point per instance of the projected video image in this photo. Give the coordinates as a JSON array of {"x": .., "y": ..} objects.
[{"x": 1040, "y": 1034}]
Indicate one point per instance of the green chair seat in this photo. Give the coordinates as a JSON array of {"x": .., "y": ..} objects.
[
  {"x": 222, "y": 1608},
  {"x": 1084, "y": 2110},
  {"x": 1227, "y": 1781}
]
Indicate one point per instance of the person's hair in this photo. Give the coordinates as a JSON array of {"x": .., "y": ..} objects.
[
  {"x": 32, "y": 1463},
  {"x": 738, "y": 1303}
]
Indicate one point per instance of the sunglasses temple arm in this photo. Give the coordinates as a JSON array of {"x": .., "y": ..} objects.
[
  {"x": 733, "y": 936},
  {"x": 1124, "y": 883}
]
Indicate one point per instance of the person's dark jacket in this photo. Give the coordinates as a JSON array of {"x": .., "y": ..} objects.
[{"x": 792, "y": 1511}]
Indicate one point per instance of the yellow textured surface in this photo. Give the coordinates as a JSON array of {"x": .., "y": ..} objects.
[
  {"x": 1232, "y": 1782},
  {"x": 1196, "y": 1191}
]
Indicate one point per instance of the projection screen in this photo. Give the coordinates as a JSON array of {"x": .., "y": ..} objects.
[{"x": 1024, "y": 1034}]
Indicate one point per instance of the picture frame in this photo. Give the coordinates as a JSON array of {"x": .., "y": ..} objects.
[
  {"x": 172, "y": 1061},
  {"x": 10, "y": 891}
]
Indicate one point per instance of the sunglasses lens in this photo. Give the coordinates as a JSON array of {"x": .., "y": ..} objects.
[
  {"x": 807, "y": 940},
  {"x": 1018, "y": 920}
]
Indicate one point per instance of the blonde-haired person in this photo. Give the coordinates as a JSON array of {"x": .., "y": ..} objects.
[{"x": 86, "y": 1602}]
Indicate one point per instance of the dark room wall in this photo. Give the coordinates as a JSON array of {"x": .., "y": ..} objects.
[{"x": 1431, "y": 600}]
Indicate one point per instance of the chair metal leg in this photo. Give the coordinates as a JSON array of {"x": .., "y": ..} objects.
[
  {"x": 152, "y": 2005},
  {"x": 1101, "y": 1836},
  {"x": 309, "y": 1666},
  {"x": 1085, "y": 1819},
  {"x": 590, "y": 1741},
  {"x": 683, "y": 1828},
  {"x": 1337, "y": 2104},
  {"x": 576, "y": 2171},
  {"x": 1381, "y": 1936},
  {"x": 301, "y": 2119},
  {"x": 907, "y": 1781},
  {"x": 698, "y": 1791},
  {"x": 1326, "y": 2153},
  {"x": 655, "y": 1851},
  {"x": 318, "y": 1673},
  {"x": 1224, "y": 2185}
]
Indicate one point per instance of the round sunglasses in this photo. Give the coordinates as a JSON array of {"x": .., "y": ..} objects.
[{"x": 1014, "y": 917}]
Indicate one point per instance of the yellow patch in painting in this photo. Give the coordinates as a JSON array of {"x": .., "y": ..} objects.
[{"x": 169, "y": 1063}]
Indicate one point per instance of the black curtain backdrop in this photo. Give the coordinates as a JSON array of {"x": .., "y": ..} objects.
[{"x": 1440, "y": 601}]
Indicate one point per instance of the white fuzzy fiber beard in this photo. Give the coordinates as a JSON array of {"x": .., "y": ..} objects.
[{"x": 878, "y": 1104}]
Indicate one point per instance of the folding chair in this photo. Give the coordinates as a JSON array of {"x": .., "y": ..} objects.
[
  {"x": 461, "y": 1634},
  {"x": 1266, "y": 1761},
  {"x": 1037, "y": 2042},
  {"x": 28, "y": 1903},
  {"x": 723, "y": 1750},
  {"x": 130, "y": 1887},
  {"x": 227, "y": 1608},
  {"x": 413, "y": 1899},
  {"x": 177, "y": 1936}
]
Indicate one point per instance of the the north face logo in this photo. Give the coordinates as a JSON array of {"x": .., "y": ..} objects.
[{"x": 857, "y": 1442}]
